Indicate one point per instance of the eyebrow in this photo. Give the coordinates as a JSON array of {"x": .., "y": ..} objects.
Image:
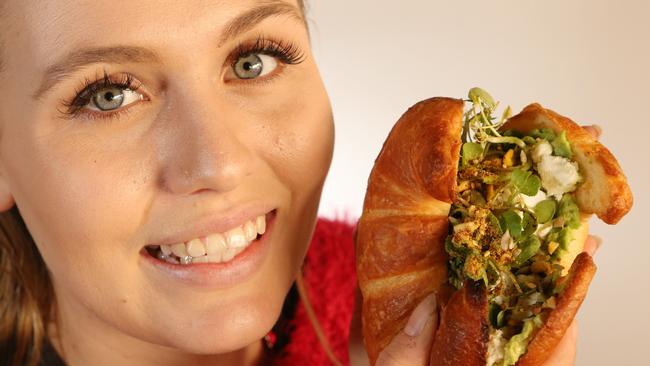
[
  {"x": 120, "y": 54},
  {"x": 252, "y": 17},
  {"x": 80, "y": 58}
]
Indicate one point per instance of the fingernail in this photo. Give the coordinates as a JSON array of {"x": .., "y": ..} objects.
[
  {"x": 420, "y": 316},
  {"x": 598, "y": 129},
  {"x": 592, "y": 244},
  {"x": 598, "y": 240}
]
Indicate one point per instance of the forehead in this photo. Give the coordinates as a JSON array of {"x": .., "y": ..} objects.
[{"x": 48, "y": 29}]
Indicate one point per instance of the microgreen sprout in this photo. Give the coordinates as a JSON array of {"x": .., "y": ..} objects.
[{"x": 480, "y": 125}]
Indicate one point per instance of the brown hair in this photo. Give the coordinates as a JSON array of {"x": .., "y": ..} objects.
[{"x": 26, "y": 293}]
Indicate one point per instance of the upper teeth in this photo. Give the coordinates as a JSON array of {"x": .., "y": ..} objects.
[{"x": 217, "y": 247}]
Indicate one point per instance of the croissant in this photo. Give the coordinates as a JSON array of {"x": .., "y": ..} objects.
[{"x": 405, "y": 234}]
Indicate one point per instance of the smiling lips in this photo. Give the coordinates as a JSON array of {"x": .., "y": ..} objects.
[{"x": 214, "y": 248}]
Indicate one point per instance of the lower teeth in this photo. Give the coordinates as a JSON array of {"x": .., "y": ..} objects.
[{"x": 167, "y": 258}]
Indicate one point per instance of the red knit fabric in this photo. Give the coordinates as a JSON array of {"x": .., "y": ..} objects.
[{"x": 330, "y": 279}]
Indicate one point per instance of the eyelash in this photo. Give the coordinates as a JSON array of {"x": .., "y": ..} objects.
[
  {"x": 286, "y": 52},
  {"x": 83, "y": 95}
]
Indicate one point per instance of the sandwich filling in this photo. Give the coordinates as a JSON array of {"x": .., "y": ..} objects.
[{"x": 512, "y": 220}]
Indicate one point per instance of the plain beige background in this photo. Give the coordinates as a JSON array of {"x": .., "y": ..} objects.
[{"x": 589, "y": 60}]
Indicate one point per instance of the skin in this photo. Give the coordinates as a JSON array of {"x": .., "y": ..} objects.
[{"x": 94, "y": 192}]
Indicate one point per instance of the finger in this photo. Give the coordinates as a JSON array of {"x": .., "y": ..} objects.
[
  {"x": 412, "y": 346},
  {"x": 356, "y": 349},
  {"x": 565, "y": 352},
  {"x": 594, "y": 130},
  {"x": 592, "y": 244}
]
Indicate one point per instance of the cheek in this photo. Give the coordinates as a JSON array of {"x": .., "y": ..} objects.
[
  {"x": 81, "y": 202},
  {"x": 299, "y": 151},
  {"x": 299, "y": 139}
]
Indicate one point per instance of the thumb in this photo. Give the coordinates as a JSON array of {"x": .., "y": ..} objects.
[{"x": 412, "y": 346}]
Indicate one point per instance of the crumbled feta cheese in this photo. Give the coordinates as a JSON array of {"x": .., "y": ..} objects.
[
  {"x": 540, "y": 149},
  {"x": 495, "y": 347},
  {"x": 506, "y": 241},
  {"x": 559, "y": 175},
  {"x": 532, "y": 201},
  {"x": 534, "y": 298},
  {"x": 498, "y": 299},
  {"x": 543, "y": 230}
]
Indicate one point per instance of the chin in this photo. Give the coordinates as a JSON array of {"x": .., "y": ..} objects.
[{"x": 222, "y": 329}]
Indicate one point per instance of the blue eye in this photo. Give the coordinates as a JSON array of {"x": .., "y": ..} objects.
[
  {"x": 113, "y": 97},
  {"x": 104, "y": 97},
  {"x": 254, "y": 65}
]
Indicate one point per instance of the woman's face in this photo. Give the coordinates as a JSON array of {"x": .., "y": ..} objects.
[{"x": 177, "y": 144}]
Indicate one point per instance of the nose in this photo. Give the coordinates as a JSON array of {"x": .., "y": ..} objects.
[{"x": 202, "y": 145}]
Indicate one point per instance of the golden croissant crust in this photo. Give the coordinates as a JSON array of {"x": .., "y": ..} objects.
[
  {"x": 401, "y": 233},
  {"x": 400, "y": 258}
]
